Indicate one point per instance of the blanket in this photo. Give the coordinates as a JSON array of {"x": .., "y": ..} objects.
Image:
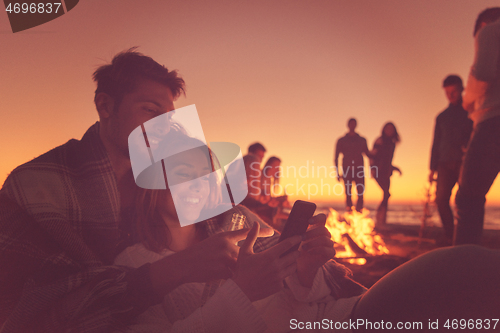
[{"x": 59, "y": 231}]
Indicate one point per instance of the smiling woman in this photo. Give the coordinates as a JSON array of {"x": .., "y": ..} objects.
[
  {"x": 192, "y": 187},
  {"x": 189, "y": 176}
]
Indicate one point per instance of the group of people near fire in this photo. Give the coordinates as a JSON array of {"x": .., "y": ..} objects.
[
  {"x": 453, "y": 159},
  {"x": 84, "y": 249},
  {"x": 352, "y": 146},
  {"x": 262, "y": 198},
  {"x": 452, "y": 131}
]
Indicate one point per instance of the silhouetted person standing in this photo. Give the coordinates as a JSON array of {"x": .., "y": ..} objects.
[
  {"x": 382, "y": 168},
  {"x": 482, "y": 100},
  {"x": 451, "y": 135},
  {"x": 352, "y": 147}
]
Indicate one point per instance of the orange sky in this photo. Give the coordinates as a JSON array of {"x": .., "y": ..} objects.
[{"x": 288, "y": 73}]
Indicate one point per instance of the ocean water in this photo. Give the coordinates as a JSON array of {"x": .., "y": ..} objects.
[{"x": 411, "y": 214}]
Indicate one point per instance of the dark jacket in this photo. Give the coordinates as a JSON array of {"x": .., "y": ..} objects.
[{"x": 451, "y": 134}]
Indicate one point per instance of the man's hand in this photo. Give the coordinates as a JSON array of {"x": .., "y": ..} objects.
[
  {"x": 261, "y": 274},
  {"x": 316, "y": 250},
  {"x": 432, "y": 176},
  {"x": 211, "y": 259},
  {"x": 337, "y": 168}
]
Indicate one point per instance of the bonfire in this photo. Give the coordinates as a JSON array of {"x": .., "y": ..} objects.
[{"x": 354, "y": 236}]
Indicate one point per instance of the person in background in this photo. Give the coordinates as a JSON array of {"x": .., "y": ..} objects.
[
  {"x": 259, "y": 198},
  {"x": 269, "y": 183},
  {"x": 482, "y": 100},
  {"x": 270, "y": 177},
  {"x": 352, "y": 146},
  {"x": 251, "y": 163},
  {"x": 451, "y": 135},
  {"x": 382, "y": 168}
]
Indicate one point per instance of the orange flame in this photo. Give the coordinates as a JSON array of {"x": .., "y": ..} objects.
[{"x": 359, "y": 227}]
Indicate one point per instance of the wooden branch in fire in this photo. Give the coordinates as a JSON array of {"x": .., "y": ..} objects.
[{"x": 354, "y": 247}]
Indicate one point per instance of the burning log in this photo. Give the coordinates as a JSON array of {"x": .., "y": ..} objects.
[
  {"x": 354, "y": 236},
  {"x": 354, "y": 247}
]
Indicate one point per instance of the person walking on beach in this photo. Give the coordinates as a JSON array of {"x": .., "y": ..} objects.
[
  {"x": 451, "y": 135},
  {"x": 482, "y": 100},
  {"x": 352, "y": 146},
  {"x": 382, "y": 168}
]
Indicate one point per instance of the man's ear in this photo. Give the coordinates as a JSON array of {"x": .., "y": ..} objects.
[{"x": 104, "y": 104}]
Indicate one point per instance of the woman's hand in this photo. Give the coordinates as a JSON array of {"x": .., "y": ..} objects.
[
  {"x": 211, "y": 259},
  {"x": 261, "y": 274},
  {"x": 316, "y": 250}
]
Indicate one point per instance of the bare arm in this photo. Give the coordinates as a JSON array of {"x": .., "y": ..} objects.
[
  {"x": 366, "y": 151},
  {"x": 435, "y": 151},
  {"x": 484, "y": 69},
  {"x": 336, "y": 158},
  {"x": 474, "y": 92}
]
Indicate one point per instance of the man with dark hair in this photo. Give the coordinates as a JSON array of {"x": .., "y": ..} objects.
[
  {"x": 127, "y": 68},
  {"x": 451, "y": 135},
  {"x": 482, "y": 100},
  {"x": 251, "y": 162},
  {"x": 352, "y": 147},
  {"x": 257, "y": 149},
  {"x": 65, "y": 215}
]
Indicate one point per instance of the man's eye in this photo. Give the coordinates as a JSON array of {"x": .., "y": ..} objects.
[{"x": 150, "y": 110}]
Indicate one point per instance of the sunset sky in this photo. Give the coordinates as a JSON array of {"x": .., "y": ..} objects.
[{"x": 287, "y": 73}]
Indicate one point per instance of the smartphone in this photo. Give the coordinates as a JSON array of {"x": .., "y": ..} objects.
[{"x": 297, "y": 223}]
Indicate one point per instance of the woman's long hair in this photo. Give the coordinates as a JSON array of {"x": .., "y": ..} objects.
[
  {"x": 395, "y": 137},
  {"x": 150, "y": 226},
  {"x": 268, "y": 165}
]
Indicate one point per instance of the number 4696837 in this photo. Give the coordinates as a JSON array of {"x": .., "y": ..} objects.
[
  {"x": 33, "y": 8},
  {"x": 471, "y": 324}
]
